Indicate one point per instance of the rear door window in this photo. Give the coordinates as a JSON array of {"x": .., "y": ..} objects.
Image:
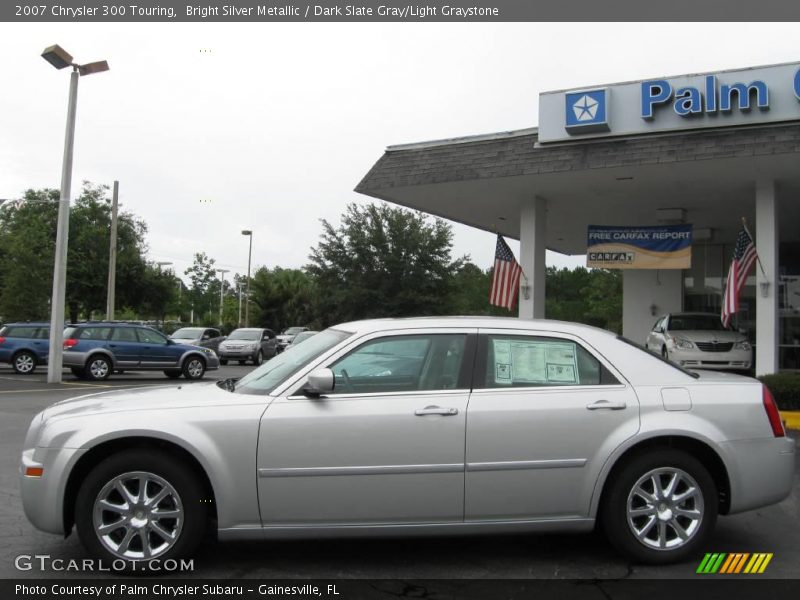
[
  {"x": 124, "y": 334},
  {"x": 527, "y": 361}
]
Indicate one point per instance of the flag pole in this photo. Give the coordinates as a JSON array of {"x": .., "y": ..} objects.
[{"x": 758, "y": 258}]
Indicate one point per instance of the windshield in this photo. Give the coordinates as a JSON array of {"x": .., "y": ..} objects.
[
  {"x": 293, "y": 330},
  {"x": 696, "y": 323},
  {"x": 245, "y": 334},
  {"x": 187, "y": 333},
  {"x": 273, "y": 372}
]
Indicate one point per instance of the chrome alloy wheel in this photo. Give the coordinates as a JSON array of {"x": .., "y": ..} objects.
[
  {"x": 665, "y": 508},
  {"x": 138, "y": 516},
  {"x": 195, "y": 368},
  {"x": 99, "y": 368},
  {"x": 24, "y": 363}
]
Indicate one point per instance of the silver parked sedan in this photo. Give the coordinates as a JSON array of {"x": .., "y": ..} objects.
[{"x": 415, "y": 426}]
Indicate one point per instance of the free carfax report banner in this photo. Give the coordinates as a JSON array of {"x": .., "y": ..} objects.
[{"x": 659, "y": 247}]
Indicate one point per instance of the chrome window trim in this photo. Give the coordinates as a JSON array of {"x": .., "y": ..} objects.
[
  {"x": 356, "y": 396},
  {"x": 550, "y": 389}
]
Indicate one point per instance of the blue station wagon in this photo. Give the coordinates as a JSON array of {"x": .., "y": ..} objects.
[
  {"x": 25, "y": 345},
  {"x": 94, "y": 350}
]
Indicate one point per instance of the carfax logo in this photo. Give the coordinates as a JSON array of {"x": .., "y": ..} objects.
[
  {"x": 587, "y": 111},
  {"x": 734, "y": 563}
]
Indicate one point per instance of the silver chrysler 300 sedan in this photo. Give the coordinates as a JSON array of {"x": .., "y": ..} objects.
[{"x": 415, "y": 426}]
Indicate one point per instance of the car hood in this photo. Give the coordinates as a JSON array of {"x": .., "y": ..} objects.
[
  {"x": 700, "y": 335},
  {"x": 142, "y": 398}
]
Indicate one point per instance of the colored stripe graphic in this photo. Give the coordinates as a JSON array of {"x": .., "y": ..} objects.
[{"x": 734, "y": 563}]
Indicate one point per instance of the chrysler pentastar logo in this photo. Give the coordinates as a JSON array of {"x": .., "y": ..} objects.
[
  {"x": 587, "y": 111},
  {"x": 585, "y": 108}
]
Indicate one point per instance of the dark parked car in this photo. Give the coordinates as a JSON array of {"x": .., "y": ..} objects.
[
  {"x": 253, "y": 344},
  {"x": 94, "y": 350},
  {"x": 207, "y": 337},
  {"x": 25, "y": 345}
]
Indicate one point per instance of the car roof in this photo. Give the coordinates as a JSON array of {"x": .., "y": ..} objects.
[{"x": 533, "y": 325}]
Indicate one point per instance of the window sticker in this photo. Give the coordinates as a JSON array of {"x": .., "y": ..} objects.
[{"x": 534, "y": 362}]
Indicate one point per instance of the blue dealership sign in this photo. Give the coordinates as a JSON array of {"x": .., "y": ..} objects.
[
  {"x": 655, "y": 247},
  {"x": 587, "y": 111}
]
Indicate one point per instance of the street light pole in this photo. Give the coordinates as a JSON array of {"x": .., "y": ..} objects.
[
  {"x": 221, "y": 291},
  {"x": 112, "y": 255},
  {"x": 248, "y": 233},
  {"x": 60, "y": 59}
]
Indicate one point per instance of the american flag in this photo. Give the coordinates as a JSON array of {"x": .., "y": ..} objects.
[
  {"x": 505, "y": 281},
  {"x": 744, "y": 255}
]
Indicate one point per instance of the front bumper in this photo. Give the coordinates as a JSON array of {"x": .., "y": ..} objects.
[
  {"x": 236, "y": 354},
  {"x": 761, "y": 471},
  {"x": 699, "y": 359},
  {"x": 43, "y": 497}
]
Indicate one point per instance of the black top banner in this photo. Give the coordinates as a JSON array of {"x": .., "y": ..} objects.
[{"x": 396, "y": 11}]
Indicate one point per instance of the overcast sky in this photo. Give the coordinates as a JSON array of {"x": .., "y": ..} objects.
[{"x": 213, "y": 128}]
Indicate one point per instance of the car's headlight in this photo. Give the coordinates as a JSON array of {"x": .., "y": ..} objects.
[
  {"x": 209, "y": 351},
  {"x": 742, "y": 345},
  {"x": 682, "y": 343}
]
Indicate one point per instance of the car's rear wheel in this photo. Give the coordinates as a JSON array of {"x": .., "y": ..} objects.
[
  {"x": 139, "y": 505},
  {"x": 194, "y": 368},
  {"x": 664, "y": 353},
  {"x": 258, "y": 358},
  {"x": 97, "y": 368},
  {"x": 660, "y": 507},
  {"x": 24, "y": 363},
  {"x": 223, "y": 361},
  {"x": 172, "y": 374}
]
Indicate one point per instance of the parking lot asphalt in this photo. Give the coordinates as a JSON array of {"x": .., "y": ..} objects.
[{"x": 773, "y": 529}]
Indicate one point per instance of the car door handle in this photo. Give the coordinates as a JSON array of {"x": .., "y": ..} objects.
[
  {"x": 436, "y": 410},
  {"x": 605, "y": 404}
]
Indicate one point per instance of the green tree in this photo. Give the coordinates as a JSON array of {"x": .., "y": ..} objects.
[
  {"x": 203, "y": 285},
  {"x": 27, "y": 251},
  {"x": 382, "y": 261},
  {"x": 283, "y": 298}
]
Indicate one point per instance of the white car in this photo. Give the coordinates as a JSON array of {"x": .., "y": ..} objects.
[
  {"x": 699, "y": 341},
  {"x": 415, "y": 426}
]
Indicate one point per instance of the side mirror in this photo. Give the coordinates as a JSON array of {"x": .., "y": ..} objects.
[{"x": 320, "y": 381}]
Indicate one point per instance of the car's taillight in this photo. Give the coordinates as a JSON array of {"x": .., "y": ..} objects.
[
  {"x": 772, "y": 413},
  {"x": 69, "y": 343},
  {"x": 2, "y": 340}
]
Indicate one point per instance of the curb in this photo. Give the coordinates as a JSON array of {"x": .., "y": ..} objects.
[{"x": 791, "y": 419}]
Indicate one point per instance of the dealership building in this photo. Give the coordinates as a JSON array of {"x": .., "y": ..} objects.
[{"x": 705, "y": 150}]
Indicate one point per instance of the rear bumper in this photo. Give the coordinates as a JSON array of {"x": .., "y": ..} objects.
[{"x": 761, "y": 471}]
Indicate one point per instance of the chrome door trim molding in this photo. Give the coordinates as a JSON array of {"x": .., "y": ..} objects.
[
  {"x": 367, "y": 396},
  {"x": 518, "y": 465},
  {"x": 365, "y": 470}
]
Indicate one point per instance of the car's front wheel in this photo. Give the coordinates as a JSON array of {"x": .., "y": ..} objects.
[
  {"x": 97, "y": 368},
  {"x": 194, "y": 368},
  {"x": 258, "y": 358},
  {"x": 660, "y": 507},
  {"x": 139, "y": 505},
  {"x": 24, "y": 363}
]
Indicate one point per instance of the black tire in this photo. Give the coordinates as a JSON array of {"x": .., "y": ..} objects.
[
  {"x": 242, "y": 362},
  {"x": 619, "y": 489},
  {"x": 664, "y": 353},
  {"x": 258, "y": 358},
  {"x": 24, "y": 362},
  {"x": 98, "y": 368},
  {"x": 191, "y": 500},
  {"x": 194, "y": 367},
  {"x": 172, "y": 374},
  {"x": 223, "y": 361}
]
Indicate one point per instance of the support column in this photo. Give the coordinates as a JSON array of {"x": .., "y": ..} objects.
[
  {"x": 766, "y": 235},
  {"x": 532, "y": 251}
]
